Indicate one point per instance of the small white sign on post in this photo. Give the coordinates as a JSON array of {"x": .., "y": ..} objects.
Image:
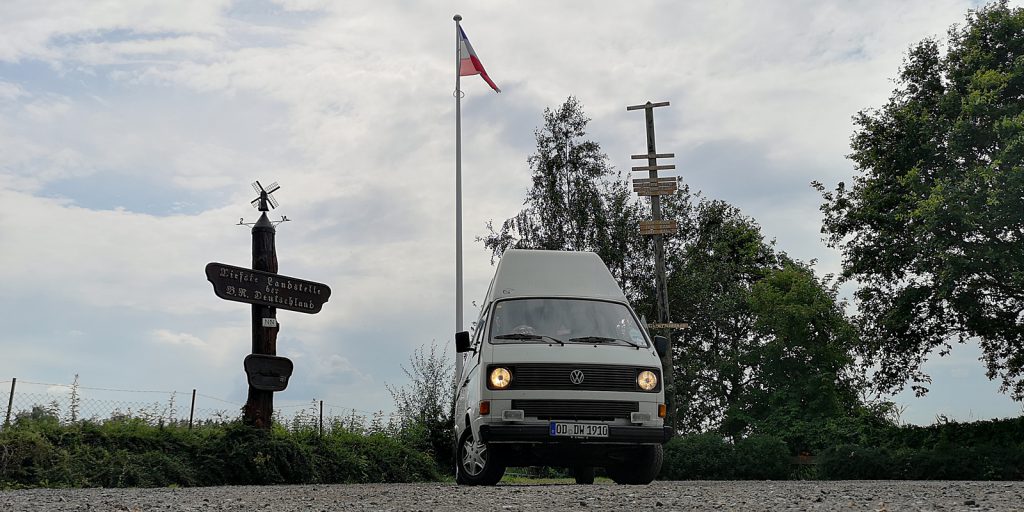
[{"x": 269, "y": 322}]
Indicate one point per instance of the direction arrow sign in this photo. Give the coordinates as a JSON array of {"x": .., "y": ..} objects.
[
  {"x": 655, "y": 186},
  {"x": 658, "y": 227},
  {"x": 274, "y": 290}
]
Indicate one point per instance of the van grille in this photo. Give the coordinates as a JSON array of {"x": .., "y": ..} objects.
[
  {"x": 595, "y": 377},
  {"x": 576, "y": 409}
]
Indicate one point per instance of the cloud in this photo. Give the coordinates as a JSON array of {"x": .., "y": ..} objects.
[
  {"x": 9, "y": 91},
  {"x": 52, "y": 30},
  {"x": 176, "y": 338}
]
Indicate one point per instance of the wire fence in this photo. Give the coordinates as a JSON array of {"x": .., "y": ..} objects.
[{"x": 71, "y": 403}]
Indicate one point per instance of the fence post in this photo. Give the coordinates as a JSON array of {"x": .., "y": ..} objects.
[
  {"x": 321, "y": 418},
  {"x": 10, "y": 402},
  {"x": 192, "y": 410}
]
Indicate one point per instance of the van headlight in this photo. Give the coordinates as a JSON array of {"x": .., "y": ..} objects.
[
  {"x": 500, "y": 378},
  {"x": 647, "y": 380}
]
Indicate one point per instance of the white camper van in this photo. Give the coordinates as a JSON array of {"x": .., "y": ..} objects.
[{"x": 558, "y": 372}]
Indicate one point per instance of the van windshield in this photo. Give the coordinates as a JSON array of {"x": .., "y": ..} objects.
[{"x": 564, "y": 321}]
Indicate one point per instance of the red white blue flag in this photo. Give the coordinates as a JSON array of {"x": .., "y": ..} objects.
[{"x": 469, "y": 63}]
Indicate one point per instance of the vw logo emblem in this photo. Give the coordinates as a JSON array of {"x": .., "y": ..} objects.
[{"x": 576, "y": 377}]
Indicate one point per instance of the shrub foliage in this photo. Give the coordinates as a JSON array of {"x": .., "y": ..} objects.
[{"x": 130, "y": 452}]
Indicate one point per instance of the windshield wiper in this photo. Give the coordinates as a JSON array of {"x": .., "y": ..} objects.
[
  {"x": 602, "y": 339},
  {"x": 524, "y": 336}
]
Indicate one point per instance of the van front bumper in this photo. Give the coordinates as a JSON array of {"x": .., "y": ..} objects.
[{"x": 617, "y": 434}]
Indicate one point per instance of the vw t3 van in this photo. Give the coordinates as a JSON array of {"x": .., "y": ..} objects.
[{"x": 559, "y": 371}]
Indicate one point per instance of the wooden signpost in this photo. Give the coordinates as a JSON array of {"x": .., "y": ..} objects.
[
  {"x": 267, "y": 291},
  {"x": 654, "y": 187}
]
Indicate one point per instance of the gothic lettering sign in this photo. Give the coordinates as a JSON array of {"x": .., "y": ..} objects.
[{"x": 266, "y": 289}]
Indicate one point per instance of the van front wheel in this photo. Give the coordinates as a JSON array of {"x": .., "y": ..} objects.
[
  {"x": 477, "y": 463},
  {"x": 584, "y": 474},
  {"x": 642, "y": 467}
]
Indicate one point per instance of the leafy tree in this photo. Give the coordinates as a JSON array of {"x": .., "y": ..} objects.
[
  {"x": 933, "y": 225},
  {"x": 769, "y": 350},
  {"x": 577, "y": 202},
  {"x": 804, "y": 385},
  {"x": 709, "y": 285}
]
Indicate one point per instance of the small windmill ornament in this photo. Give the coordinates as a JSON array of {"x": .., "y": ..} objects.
[
  {"x": 265, "y": 202},
  {"x": 261, "y": 202}
]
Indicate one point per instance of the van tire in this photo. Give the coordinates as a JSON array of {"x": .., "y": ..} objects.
[
  {"x": 642, "y": 469},
  {"x": 584, "y": 474},
  {"x": 476, "y": 463}
]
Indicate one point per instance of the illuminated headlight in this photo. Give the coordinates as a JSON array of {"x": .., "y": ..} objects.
[
  {"x": 647, "y": 380},
  {"x": 500, "y": 378}
]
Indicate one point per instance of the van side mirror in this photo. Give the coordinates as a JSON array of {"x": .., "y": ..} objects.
[
  {"x": 461, "y": 342},
  {"x": 661, "y": 345}
]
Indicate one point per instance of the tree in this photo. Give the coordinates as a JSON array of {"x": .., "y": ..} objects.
[
  {"x": 577, "y": 201},
  {"x": 933, "y": 226},
  {"x": 710, "y": 279},
  {"x": 769, "y": 349},
  {"x": 804, "y": 386}
]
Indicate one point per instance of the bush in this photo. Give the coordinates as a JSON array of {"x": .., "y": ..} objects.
[
  {"x": 698, "y": 457},
  {"x": 245, "y": 455},
  {"x": 131, "y": 453},
  {"x": 853, "y": 462},
  {"x": 762, "y": 458},
  {"x": 962, "y": 463},
  {"x": 25, "y": 456},
  {"x": 996, "y": 432}
]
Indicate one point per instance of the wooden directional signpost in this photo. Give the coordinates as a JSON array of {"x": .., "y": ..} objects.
[
  {"x": 267, "y": 291},
  {"x": 655, "y": 186},
  {"x": 266, "y": 288}
]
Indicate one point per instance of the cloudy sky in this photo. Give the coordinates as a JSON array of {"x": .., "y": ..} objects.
[{"x": 130, "y": 131}]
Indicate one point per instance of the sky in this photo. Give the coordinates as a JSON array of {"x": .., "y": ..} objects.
[{"x": 130, "y": 133}]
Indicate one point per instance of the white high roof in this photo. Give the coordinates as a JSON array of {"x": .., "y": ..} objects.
[{"x": 523, "y": 273}]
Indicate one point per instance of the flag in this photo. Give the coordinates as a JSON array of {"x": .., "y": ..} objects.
[{"x": 469, "y": 63}]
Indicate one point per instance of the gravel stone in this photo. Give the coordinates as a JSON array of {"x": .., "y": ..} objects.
[{"x": 702, "y": 495}]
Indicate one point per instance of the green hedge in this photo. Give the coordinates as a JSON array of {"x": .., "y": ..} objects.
[
  {"x": 1008, "y": 431},
  {"x": 984, "y": 450},
  {"x": 133, "y": 453},
  {"x": 710, "y": 457},
  {"x": 852, "y": 462}
]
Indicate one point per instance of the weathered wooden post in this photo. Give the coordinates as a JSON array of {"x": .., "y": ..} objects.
[
  {"x": 192, "y": 409},
  {"x": 259, "y": 408},
  {"x": 654, "y": 187},
  {"x": 267, "y": 291},
  {"x": 10, "y": 403}
]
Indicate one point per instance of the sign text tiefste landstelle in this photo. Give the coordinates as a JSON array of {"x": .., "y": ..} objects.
[{"x": 267, "y": 289}]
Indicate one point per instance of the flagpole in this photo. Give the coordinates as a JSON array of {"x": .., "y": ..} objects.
[{"x": 458, "y": 181}]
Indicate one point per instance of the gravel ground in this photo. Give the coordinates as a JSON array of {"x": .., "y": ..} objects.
[{"x": 796, "y": 495}]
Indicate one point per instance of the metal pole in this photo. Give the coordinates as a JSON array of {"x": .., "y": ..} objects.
[
  {"x": 458, "y": 179},
  {"x": 192, "y": 409},
  {"x": 259, "y": 406},
  {"x": 321, "y": 418},
  {"x": 10, "y": 403}
]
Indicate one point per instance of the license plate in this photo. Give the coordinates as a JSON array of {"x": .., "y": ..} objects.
[{"x": 578, "y": 429}]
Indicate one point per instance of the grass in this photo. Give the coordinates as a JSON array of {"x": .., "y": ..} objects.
[{"x": 527, "y": 480}]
